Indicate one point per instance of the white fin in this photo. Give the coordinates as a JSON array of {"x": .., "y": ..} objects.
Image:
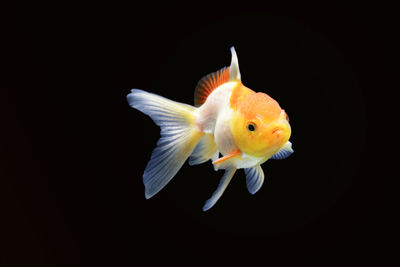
[
  {"x": 223, "y": 183},
  {"x": 178, "y": 137},
  {"x": 254, "y": 178},
  {"x": 204, "y": 150},
  {"x": 284, "y": 152},
  {"x": 234, "y": 72},
  {"x": 214, "y": 158},
  {"x": 228, "y": 161}
]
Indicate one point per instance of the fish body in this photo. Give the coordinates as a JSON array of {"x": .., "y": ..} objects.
[{"x": 228, "y": 119}]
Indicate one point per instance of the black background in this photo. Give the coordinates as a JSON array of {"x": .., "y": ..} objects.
[{"x": 73, "y": 151}]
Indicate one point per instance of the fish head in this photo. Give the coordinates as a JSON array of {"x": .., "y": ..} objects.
[{"x": 259, "y": 126}]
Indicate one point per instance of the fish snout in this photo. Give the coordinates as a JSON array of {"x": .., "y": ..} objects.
[
  {"x": 280, "y": 132},
  {"x": 277, "y": 132}
]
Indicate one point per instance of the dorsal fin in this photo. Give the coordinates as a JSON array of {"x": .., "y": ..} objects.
[
  {"x": 234, "y": 72},
  {"x": 208, "y": 83}
]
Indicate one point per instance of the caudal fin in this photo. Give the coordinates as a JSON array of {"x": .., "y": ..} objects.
[{"x": 178, "y": 137}]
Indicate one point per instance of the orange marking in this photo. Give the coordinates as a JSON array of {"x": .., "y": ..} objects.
[
  {"x": 239, "y": 92},
  {"x": 224, "y": 158},
  {"x": 208, "y": 83},
  {"x": 259, "y": 104}
]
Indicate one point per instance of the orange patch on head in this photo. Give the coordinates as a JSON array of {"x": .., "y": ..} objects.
[
  {"x": 239, "y": 93},
  {"x": 258, "y": 124},
  {"x": 259, "y": 105}
]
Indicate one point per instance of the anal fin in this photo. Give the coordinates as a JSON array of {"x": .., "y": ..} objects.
[
  {"x": 223, "y": 184},
  {"x": 214, "y": 158}
]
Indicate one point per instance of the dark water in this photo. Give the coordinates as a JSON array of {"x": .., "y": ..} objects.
[{"x": 73, "y": 151}]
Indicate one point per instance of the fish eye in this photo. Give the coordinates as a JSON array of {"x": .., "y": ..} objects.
[{"x": 251, "y": 127}]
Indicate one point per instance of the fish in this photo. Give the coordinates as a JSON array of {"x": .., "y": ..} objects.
[{"x": 229, "y": 124}]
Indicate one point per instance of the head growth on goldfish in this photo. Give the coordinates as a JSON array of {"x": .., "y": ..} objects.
[{"x": 259, "y": 125}]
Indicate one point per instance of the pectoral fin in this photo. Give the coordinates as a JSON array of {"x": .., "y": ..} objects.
[
  {"x": 227, "y": 161},
  {"x": 254, "y": 178},
  {"x": 284, "y": 152}
]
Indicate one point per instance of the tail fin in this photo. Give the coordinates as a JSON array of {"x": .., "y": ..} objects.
[{"x": 178, "y": 137}]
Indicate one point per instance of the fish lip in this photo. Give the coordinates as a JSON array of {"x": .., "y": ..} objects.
[{"x": 276, "y": 130}]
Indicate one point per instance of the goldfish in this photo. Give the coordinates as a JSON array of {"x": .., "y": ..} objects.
[{"x": 229, "y": 124}]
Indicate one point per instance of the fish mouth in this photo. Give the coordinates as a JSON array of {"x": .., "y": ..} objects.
[{"x": 277, "y": 131}]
